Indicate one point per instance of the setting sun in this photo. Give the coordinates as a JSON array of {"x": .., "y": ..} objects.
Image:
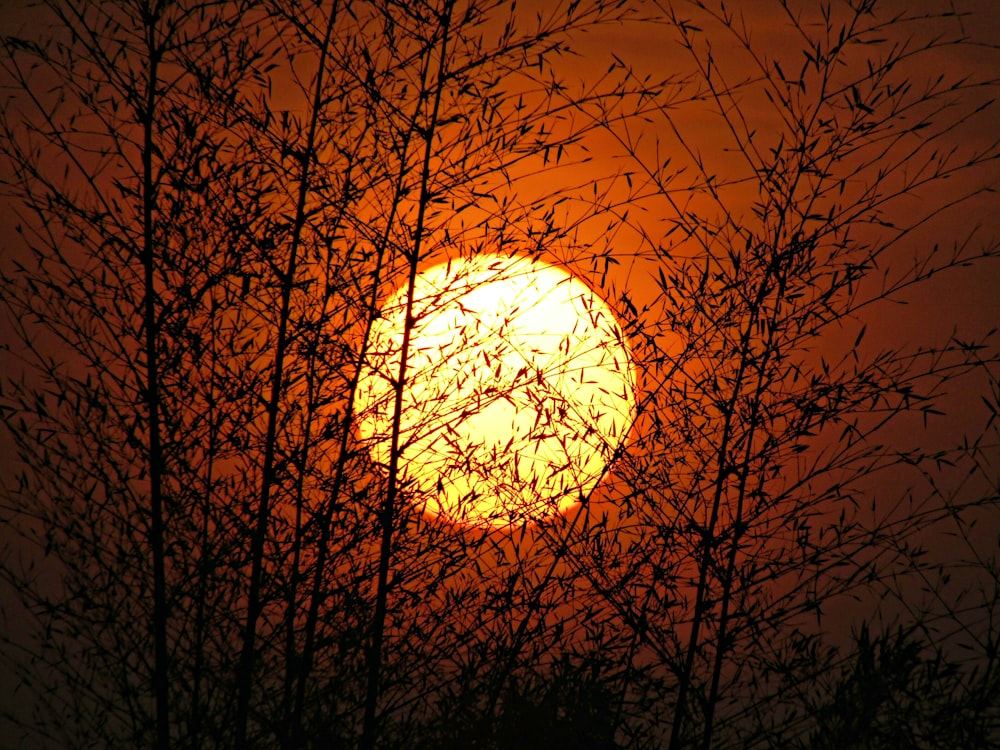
[{"x": 518, "y": 390}]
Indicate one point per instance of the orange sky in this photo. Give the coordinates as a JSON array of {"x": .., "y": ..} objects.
[{"x": 963, "y": 299}]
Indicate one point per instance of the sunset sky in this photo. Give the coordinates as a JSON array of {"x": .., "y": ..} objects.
[{"x": 806, "y": 286}]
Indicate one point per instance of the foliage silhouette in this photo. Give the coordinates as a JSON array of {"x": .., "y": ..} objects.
[{"x": 213, "y": 200}]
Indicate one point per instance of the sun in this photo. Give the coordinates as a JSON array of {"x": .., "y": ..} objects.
[{"x": 518, "y": 390}]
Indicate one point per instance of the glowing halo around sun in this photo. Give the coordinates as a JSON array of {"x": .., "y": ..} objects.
[{"x": 518, "y": 390}]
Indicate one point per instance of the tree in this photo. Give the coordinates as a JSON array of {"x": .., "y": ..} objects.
[
  {"x": 214, "y": 200},
  {"x": 204, "y": 405},
  {"x": 768, "y": 418},
  {"x": 894, "y": 696}
]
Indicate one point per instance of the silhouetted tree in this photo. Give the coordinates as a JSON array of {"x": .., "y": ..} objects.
[
  {"x": 213, "y": 202},
  {"x": 776, "y": 228}
]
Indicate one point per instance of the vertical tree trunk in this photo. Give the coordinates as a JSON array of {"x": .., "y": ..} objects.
[
  {"x": 156, "y": 531},
  {"x": 388, "y": 511},
  {"x": 268, "y": 479}
]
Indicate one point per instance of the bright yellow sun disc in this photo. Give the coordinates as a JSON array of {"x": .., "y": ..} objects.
[{"x": 518, "y": 389}]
